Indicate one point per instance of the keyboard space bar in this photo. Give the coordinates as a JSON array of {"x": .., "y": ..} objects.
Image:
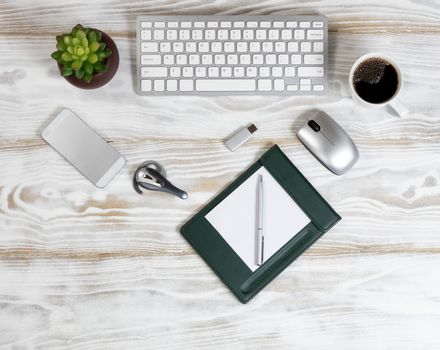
[{"x": 225, "y": 85}]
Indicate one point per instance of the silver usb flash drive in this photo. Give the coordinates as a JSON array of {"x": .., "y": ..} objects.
[{"x": 240, "y": 137}]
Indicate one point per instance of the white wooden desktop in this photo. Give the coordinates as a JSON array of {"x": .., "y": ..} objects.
[{"x": 83, "y": 268}]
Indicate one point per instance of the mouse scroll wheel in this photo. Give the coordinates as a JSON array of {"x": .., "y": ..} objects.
[{"x": 314, "y": 125}]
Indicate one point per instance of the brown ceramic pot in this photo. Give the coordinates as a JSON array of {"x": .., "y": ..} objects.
[{"x": 99, "y": 79}]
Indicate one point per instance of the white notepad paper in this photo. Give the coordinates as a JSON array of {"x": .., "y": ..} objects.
[{"x": 235, "y": 218}]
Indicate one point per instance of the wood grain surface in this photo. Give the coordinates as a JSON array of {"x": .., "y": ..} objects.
[{"x": 83, "y": 268}]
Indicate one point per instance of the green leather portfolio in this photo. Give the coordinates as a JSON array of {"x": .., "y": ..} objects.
[{"x": 295, "y": 216}]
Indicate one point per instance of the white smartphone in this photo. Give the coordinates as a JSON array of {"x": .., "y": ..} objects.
[{"x": 88, "y": 152}]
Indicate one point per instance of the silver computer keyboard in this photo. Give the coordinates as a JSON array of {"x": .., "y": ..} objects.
[{"x": 229, "y": 55}]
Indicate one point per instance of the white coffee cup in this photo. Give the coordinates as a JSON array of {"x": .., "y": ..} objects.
[{"x": 393, "y": 102}]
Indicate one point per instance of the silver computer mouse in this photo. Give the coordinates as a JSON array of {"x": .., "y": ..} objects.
[{"x": 328, "y": 142}]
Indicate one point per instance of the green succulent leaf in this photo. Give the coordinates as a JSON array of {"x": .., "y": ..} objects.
[
  {"x": 67, "y": 40},
  {"x": 102, "y": 46},
  {"x": 67, "y": 57},
  {"x": 76, "y": 41},
  {"x": 66, "y": 72},
  {"x": 79, "y": 51},
  {"x": 87, "y": 31},
  {"x": 71, "y": 50},
  {"x": 104, "y": 54},
  {"x": 84, "y": 57},
  {"x": 61, "y": 47},
  {"x": 79, "y": 27},
  {"x": 66, "y": 64},
  {"x": 56, "y": 55},
  {"x": 80, "y": 34},
  {"x": 93, "y": 58},
  {"x": 87, "y": 77},
  {"x": 92, "y": 36},
  {"x": 59, "y": 38},
  {"x": 84, "y": 42},
  {"x": 94, "y": 46},
  {"x": 77, "y": 64},
  {"x": 88, "y": 67},
  {"x": 99, "y": 67},
  {"x": 79, "y": 73}
]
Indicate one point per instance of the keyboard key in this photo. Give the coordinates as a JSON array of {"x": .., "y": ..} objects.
[
  {"x": 225, "y": 24},
  {"x": 213, "y": 72},
  {"x": 291, "y": 24},
  {"x": 199, "y": 25},
  {"x": 159, "y": 24},
  {"x": 304, "y": 24},
  {"x": 146, "y": 24},
  {"x": 306, "y": 46},
  {"x": 225, "y": 85},
  {"x": 226, "y": 72},
  {"x": 171, "y": 34},
  {"x": 280, "y": 46},
  {"x": 168, "y": 59},
  {"x": 254, "y": 47},
  {"x": 186, "y": 85},
  {"x": 146, "y": 34},
  {"x": 173, "y": 24},
  {"x": 265, "y": 24},
  {"x": 260, "y": 34},
  {"x": 178, "y": 47},
  {"x": 305, "y": 82},
  {"x": 159, "y": 35},
  {"x": 292, "y": 87},
  {"x": 154, "y": 72},
  {"x": 278, "y": 24},
  {"x": 251, "y": 72},
  {"x": 150, "y": 60},
  {"x": 159, "y": 85},
  {"x": 318, "y": 87},
  {"x": 239, "y": 24},
  {"x": 165, "y": 47},
  {"x": 274, "y": 34},
  {"x": 181, "y": 59},
  {"x": 283, "y": 59},
  {"x": 149, "y": 47},
  {"x": 238, "y": 72},
  {"x": 175, "y": 72},
  {"x": 295, "y": 59},
  {"x": 277, "y": 72},
  {"x": 299, "y": 34},
  {"x": 245, "y": 59},
  {"x": 252, "y": 24},
  {"x": 201, "y": 72},
  {"x": 185, "y": 24},
  {"x": 271, "y": 59},
  {"x": 264, "y": 84},
  {"x": 313, "y": 59},
  {"x": 212, "y": 24},
  {"x": 248, "y": 34},
  {"x": 286, "y": 34},
  {"x": 172, "y": 85},
  {"x": 292, "y": 47},
  {"x": 188, "y": 72},
  {"x": 146, "y": 85},
  {"x": 197, "y": 34},
  {"x": 289, "y": 71},
  {"x": 318, "y": 47},
  {"x": 310, "y": 71},
  {"x": 264, "y": 72},
  {"x": 313, "y": 34},
  {"x": 278, "y": 85},
  {"x": 318, "y": 24},
  {"x": 257, "y": 59}
]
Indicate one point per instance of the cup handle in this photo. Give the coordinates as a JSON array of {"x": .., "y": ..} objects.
[{"x": 399, "y": 107}]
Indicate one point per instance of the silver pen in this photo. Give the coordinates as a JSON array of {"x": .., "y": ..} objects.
[{"x": 260, "y": 233}]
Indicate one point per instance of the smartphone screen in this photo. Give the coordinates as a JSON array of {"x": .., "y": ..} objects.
[{"x": 83, "y": 148}]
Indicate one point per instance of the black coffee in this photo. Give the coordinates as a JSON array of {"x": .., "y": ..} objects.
[{"x": 375, "y": 80}]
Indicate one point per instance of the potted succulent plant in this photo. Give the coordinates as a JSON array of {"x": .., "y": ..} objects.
[{"x": 87, "y": 58}]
